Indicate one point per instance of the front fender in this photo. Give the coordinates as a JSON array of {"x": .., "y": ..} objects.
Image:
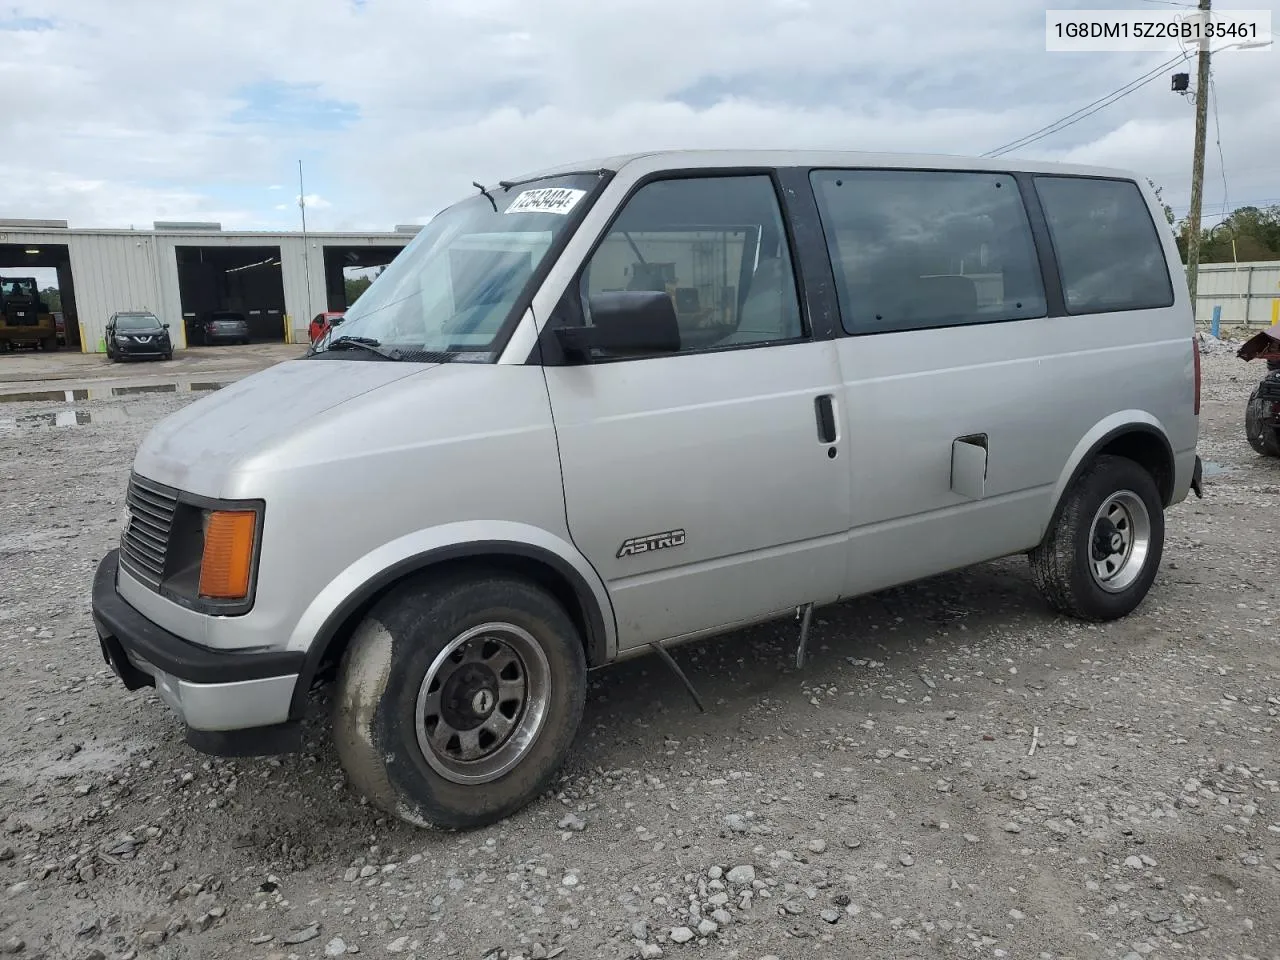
[{"x": 342, "y": 595}]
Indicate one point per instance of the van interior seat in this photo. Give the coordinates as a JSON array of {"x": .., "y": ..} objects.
[{"x": 771, "y": 310}]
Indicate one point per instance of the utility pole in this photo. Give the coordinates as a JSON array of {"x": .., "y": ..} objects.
[
  {"x": 306, "y": 251},
  {"x": 1197, "y": 163}
]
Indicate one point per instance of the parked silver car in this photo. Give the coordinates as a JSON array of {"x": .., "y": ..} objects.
[{"x": 601, "y": 410}]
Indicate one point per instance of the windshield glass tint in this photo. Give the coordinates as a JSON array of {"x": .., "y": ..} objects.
[
  {"x": 136, "y": 321},
  {"x": 453, "y": 286},
  {"x": 18, "y": 288}
]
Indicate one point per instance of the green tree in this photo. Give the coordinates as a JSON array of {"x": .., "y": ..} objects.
[
  {"x": 52, "y": 297},
  {"x": 355, "y": 286}
]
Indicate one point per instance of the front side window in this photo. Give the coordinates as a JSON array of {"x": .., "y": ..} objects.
[
  {"x": 452, "y": 288},
  {"x": 915, "y": 249},
  {"x": 717, "y": 247},
  {"x": 1108, "y": 251}
]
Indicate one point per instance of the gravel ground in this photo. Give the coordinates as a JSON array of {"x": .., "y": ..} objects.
[{"x": 882, "y": 801}]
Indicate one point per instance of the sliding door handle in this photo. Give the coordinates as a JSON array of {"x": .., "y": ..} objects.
[{"x": 825, "y": 412}]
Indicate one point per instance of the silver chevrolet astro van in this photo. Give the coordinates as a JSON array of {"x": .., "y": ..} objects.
[{"x": 604, "y": 409}]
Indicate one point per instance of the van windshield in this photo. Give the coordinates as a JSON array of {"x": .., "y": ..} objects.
[{"x": 453, "y": 287}]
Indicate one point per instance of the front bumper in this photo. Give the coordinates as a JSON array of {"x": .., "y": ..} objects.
[
  {"x": 232, "y": 703},
  {"x": 153, "y": 349}
]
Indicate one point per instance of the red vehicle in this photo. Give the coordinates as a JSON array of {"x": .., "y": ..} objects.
[
  {"x": 321, "y": 323},
  {"x": 1262, "y": 414}
]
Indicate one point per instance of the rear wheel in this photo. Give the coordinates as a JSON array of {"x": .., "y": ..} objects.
[
  {"x": 1264, "y": 438},
  {"x": 1100, "y": 557},
  {"x": 49, "y": 343},
  {"x": 459, "y": 698}
]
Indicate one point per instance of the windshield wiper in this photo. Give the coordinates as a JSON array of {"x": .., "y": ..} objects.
[{"x": 364, "y": 343}]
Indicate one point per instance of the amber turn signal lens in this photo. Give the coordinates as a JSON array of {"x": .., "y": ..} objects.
[{"x": 228, "y": 554}]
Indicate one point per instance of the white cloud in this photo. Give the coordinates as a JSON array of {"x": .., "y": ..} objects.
[{"x": 130, "y": 124}]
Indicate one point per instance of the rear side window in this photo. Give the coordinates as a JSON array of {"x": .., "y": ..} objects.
[
  {"x": 915, "y": 249},
  {"x": 1108, "y": 251}
]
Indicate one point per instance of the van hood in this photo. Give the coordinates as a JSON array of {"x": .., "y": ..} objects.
[{"x": 197, "y": 448}]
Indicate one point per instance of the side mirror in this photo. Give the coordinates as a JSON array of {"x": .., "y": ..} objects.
[
  {"x": 165, "y": 325},
  {"x": 625, "y": 322}
]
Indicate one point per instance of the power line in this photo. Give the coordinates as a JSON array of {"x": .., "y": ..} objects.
[
  {"x": 1217, "y": 133},
  {"x": 1087, "y": 110},
  {"x": 1172, "y": 3}
]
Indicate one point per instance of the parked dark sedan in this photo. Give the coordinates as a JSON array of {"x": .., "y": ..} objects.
[
  {"x": 136, "y": 335},
  {"x": 224, "y": 326}
]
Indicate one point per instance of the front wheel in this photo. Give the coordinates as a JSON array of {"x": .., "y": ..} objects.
[
  {"x": 1100, "y": 557},
  {"x": 458, "y": 698}
]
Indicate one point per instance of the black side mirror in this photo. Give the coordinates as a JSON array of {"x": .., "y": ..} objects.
[
  {"x": 165, "y": 325},
  {"x": 625, "y": 322}
]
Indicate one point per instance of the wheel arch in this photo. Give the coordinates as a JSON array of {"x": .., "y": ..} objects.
[
  {"x": 570, "y": 579},
  {"x": 1134, "y": 435}
]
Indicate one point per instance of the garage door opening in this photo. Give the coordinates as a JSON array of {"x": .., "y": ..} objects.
[
  {"x": 349, "y": 270},
  {"x": 47, "y": 268},
  {"x": 215, "y": 282}
]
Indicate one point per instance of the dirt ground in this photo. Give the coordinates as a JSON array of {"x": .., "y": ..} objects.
[{"x": 883, "y": 801}]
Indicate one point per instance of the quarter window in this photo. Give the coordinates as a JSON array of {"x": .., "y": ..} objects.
[
  {"x": 915, "y": 249},
  {"x": 1108, "y": 251},
  {"x": 717, "y": 247}
]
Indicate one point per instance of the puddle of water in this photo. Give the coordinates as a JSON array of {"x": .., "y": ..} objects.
[
  {"x": 1210, "y": 469},
  {"x": 150, "y": 388},
  {"x": 64, "y": 418},
  {"x": 40, "y": 395},
  {"x": 93, "y": 393}
]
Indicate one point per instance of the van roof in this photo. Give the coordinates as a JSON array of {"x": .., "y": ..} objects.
[{"x": 658, "y": 160}]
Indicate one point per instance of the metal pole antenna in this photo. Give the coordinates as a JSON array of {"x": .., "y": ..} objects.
[
  {"x": 1197, "y": 164},
  {"x": 306, "y": 249}
]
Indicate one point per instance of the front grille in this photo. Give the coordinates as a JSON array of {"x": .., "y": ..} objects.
[{"x": 145, "y": 542}]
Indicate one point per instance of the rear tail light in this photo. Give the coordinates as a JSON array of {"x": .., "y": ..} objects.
[{"x": 1195, "y": 352}]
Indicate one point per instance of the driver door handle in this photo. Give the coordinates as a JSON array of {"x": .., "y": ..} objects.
[{"x": 825, "y": 412}]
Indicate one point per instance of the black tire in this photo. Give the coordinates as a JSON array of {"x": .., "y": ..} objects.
[
  {"x": 1063, "y": 565},
  {"x": 384, "y": 669},
  {"x": 1264, "y": 438},
  {"x": 169, "y": 355},
  {"x": 49, "y": 343}
]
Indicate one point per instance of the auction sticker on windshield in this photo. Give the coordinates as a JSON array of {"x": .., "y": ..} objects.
[{"x": 546, "y": 200}]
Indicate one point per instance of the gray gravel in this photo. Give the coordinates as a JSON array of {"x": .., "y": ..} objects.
[{"x": 879, "y": 802}]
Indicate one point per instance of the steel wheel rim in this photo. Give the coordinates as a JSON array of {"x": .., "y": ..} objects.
[
  {"x": 482, "y": 703},
  {"x": 1119, "y": 541}
]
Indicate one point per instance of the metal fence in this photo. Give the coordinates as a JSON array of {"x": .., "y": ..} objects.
[{"x": 1242, "y": 294}]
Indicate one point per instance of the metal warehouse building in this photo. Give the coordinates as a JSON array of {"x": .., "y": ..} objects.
[{"x": 183, "y": 271}]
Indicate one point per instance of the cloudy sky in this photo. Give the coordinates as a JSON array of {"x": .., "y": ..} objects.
[{"x": 121, "y": 112}]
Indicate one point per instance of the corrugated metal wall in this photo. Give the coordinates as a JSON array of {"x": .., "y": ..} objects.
[
  {"x": 137, "y": 270},
  {"x": 1248, "y": 293}
]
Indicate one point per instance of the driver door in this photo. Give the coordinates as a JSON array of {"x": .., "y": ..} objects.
[{"x": 704, "y": 484}]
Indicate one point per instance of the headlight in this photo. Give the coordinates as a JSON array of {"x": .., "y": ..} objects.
[{"x": 211, "y": 559}]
